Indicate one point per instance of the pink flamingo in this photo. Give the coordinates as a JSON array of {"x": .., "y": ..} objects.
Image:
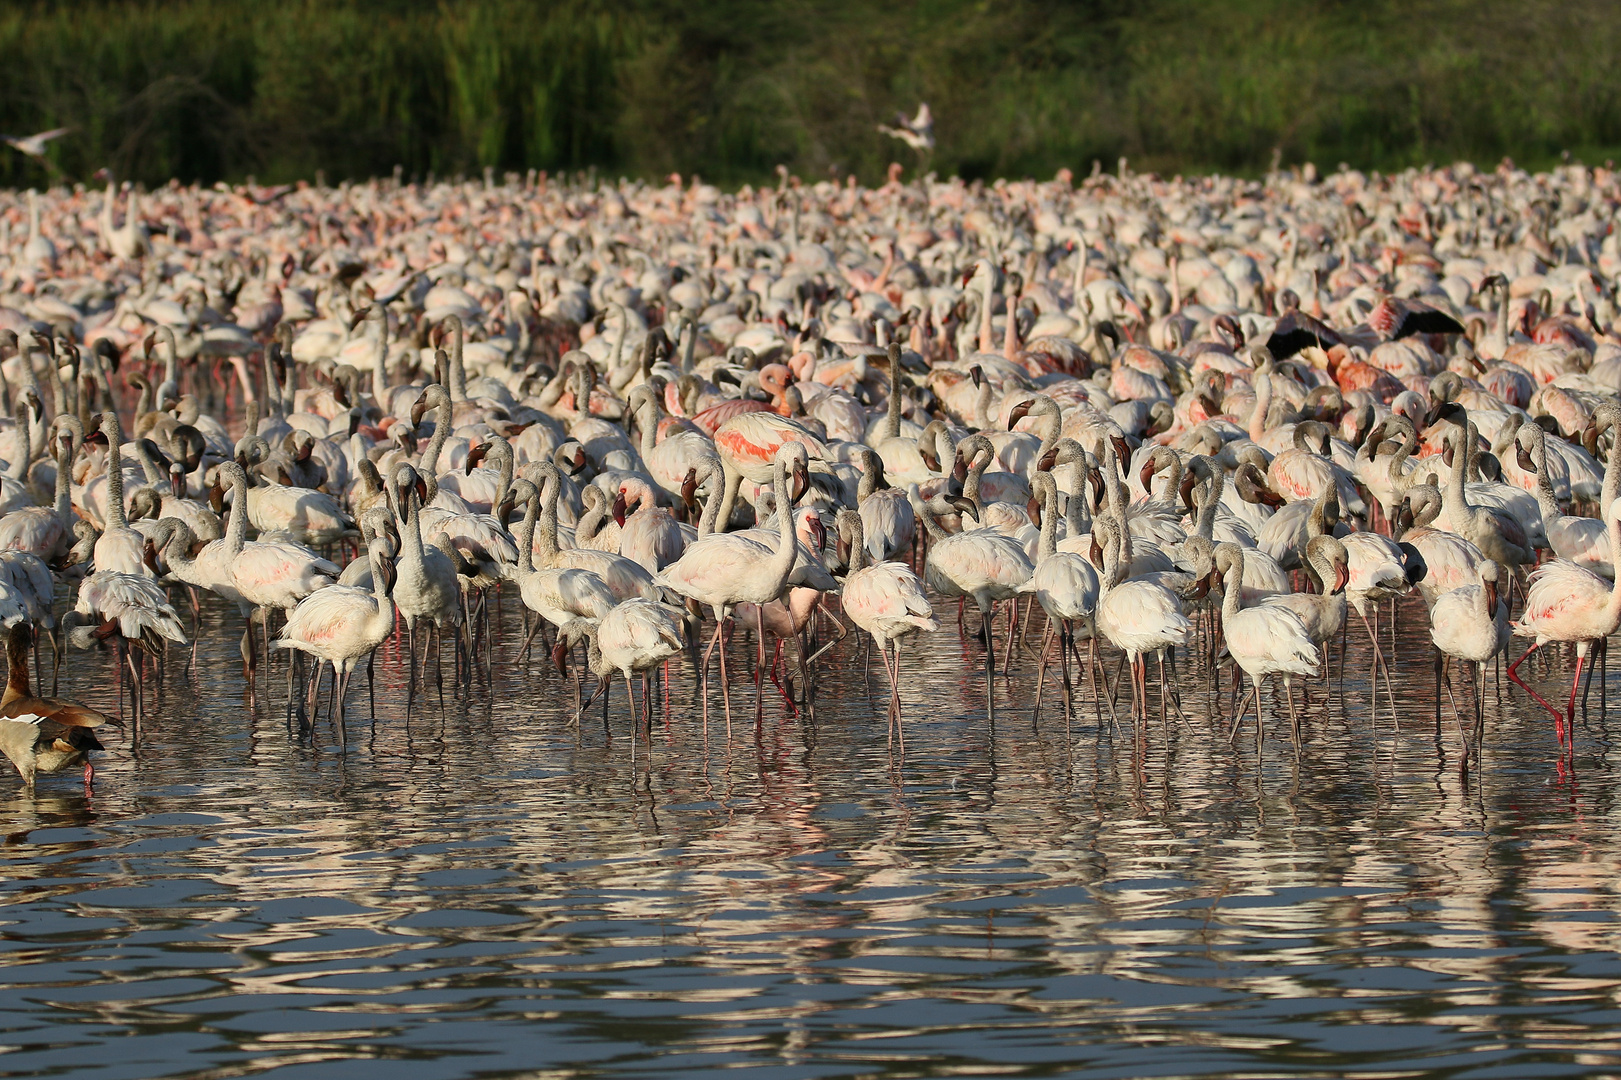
[
  {"x": 887, "y": 601},
  {"x": 1567, "y": 602}
]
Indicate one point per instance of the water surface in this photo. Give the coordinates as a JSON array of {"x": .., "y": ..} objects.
[{"x": 488, "y": 890}]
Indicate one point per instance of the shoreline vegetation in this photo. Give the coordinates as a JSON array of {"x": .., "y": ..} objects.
[{"x": 209, "y": 90}]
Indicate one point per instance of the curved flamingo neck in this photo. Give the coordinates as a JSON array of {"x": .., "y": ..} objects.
[
  {"x": 526, "y": 535},
  {"x": 858, "y": 545},
  {"x": 987, "y": 341},
  {"x": 441, "y": 432},
  {"x": 64, "y": 496},
  {"x": 236, "y": 534},
  {"x": 1545, "y": 496},
  {"x": 1049, "y": 517},
  {"x": 1263, "y": 405},
  {"x": 115, "y": 482}
]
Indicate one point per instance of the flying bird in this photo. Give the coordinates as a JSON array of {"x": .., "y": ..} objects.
[
  {"x": 918, "y": 132},
  {"x": 34, "y": 145}
]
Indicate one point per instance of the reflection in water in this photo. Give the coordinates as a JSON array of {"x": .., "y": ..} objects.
[{"x": 489, "y": 890}]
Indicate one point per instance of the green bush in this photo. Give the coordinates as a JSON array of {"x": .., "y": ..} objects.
[{"x": 214, "y": 89}]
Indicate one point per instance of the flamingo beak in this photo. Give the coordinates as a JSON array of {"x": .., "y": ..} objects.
[
  {"x": 1122, "y": 452},
  {"x": 1095, "y": 556},
  {"x": 422, "y": 489},
  {"x": 177, "y": 483},
  {"x": 1048, "y": 460},
  {"x": 689, "y": 488},
  {"x": 964, "y": 506},
  {"x": 1146, "y": 474},
  {"x": 819, "y": 531},
  {"x": 801, "y": 481},
  {"x": 418, "y": 409},
  {"x": 476, "y": 455},
  {"x": 1342, "y": 575},
  {"x": 1020, "y": 411},
  {"x": 560, "y": 657},
  {"x": 1524, "y": 459},
  {"x": 1491, "y": 597},
  {"x": 959, "y": 469},
  {"x": 619, "y": 508},
  {"x": 929, "y": 459}
]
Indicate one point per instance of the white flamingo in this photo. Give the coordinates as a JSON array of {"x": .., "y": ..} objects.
[
  {"x": 887, "y": 601},
  {"x": 1469, "y": 623},
  {"x": 341, "y": 626},
  {"x": 722, "y": 570},
  {"x": 1263, "y": 640}
]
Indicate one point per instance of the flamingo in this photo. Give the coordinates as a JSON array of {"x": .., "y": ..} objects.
[
  {"x": 720, "y": 571},
  {"x": 1066, "y": 586},
  {"x": 1450, "y": 561},
  {"x": 979, "y": 564},
  {"x": 1268, "y": 639},
  {"x": 425, "y": 584},
  {"x": 633, "y": 638},
  {"x": 341, "y": 625},
  {"x": 558, "y": 594},
  {"x": 1569, "y": 603},
  {"x": 1581, "y": 540},
  {"x": 747, "y": 446},
  {"x": 40, "y": 530},
  {"x": 886, "y": 600},
  {"x": 121, "y": 549},
  {"x": 1469, "y": 623},
  {"x": 1138, "y": 617}
]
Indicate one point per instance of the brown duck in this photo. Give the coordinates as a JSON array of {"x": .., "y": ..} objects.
[{"x": 42, "y": 734}]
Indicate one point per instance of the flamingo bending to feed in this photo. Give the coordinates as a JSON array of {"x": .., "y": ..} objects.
[
  {"x": 979, "y": 563},
  {"x": 632, "y": 639},
  {"x": 885, "y": 599}
]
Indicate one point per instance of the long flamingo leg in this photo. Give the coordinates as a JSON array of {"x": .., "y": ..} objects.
[{"x": 1513, "y": 677}]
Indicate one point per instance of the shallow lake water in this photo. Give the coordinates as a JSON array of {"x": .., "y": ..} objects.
[{"x": 488, "y": 890}]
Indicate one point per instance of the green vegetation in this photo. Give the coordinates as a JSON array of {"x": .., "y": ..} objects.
[{"x": 216, "y": 89}]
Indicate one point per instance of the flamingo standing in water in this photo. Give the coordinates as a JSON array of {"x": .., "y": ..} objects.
[
  {"x": 1469, "y": 623},
  {"x": 1263, "y": 640},
  {"x": 887, "y": 601},
  {"x": 1138, "y": 617},
  {"x": 342, "y": 625},
  {"x": 632, "y": 639},
  {"x": 1567, "y": 602},
  {"x": 980, "y": 563},
  {"x": 1066, "y": 587},
  {"x": 721, "y": 571}
]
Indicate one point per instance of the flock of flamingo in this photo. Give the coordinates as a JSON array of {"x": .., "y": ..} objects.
[{"x": 1167, "y": 418}]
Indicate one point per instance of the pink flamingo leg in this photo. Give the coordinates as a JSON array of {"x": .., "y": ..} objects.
[{"x": 1513, "y": 675}]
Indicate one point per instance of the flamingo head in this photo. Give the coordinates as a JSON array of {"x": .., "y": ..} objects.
[{"x": 689, "y": 488}]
